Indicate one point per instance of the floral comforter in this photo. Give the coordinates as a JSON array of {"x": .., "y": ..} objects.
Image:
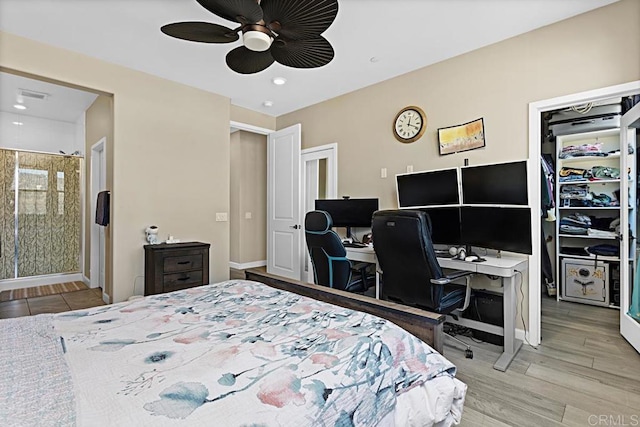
[{"x": 240, "y": 353}]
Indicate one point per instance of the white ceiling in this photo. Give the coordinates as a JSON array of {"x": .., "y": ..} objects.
[
  {"x": 402, "y": 34},
  {"x": 62, "y": 103}
]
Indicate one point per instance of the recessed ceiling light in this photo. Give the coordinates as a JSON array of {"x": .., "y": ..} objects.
[
  {"x": 18, "y": 123},
  {"x": 279, "y": 81},
  {"x": 19, "y": 107},
  {"x": 268, "y": 103}
]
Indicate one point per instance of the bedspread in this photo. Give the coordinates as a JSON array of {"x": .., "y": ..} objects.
[{"x": 240, "y": 353}]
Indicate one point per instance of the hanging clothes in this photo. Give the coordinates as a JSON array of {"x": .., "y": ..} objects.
[{"x": 103, "y": 208}]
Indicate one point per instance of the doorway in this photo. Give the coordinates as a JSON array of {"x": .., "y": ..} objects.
[
  {"x": 98, "y": 184},
  {"x": 536, "y": 111}
]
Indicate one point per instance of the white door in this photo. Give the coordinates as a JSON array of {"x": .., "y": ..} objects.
[
  {"x": 629, "y": 327},
  {"x": 284, "y": 213}
]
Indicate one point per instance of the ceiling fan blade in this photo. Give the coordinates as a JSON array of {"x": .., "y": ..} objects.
[
  {"x": 245, "y": 61},
  {"x": 309, "y": 53},
  {"x": 299, "y": 19},
  {"x": 242, "y": 11},
  {"x": 203, "y": 32}
]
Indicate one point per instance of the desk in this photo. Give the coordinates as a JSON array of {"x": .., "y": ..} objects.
[
  {"x": 368, "y": 255},
  {"x": 506, "y": 267}
]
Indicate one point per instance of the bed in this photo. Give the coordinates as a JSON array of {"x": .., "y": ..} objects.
[{"x": 236, "y": 353}]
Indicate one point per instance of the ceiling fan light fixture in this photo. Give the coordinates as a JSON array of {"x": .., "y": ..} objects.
[{"x": 256, "y": 40}]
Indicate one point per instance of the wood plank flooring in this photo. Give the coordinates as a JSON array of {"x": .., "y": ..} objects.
[{"x": 582, "y": 370}]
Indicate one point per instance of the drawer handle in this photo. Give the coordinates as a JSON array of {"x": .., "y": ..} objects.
[
  {"x": 182, "y": 279},
  {"x": 184, "y": 262}
]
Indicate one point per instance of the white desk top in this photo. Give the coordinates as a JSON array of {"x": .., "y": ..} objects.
[{"x": 505, "y": 266}]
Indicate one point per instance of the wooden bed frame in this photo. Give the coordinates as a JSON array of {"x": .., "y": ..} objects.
[{"x": 425, "y": 325}]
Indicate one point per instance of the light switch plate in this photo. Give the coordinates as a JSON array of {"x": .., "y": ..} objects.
[
  {"x": 410, "y": 169},
  {"x": 383, "y": 173},
  {"x": 221, "y": 216}
]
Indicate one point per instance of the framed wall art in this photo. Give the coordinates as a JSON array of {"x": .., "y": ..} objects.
[{"x": 455, "y": 139}]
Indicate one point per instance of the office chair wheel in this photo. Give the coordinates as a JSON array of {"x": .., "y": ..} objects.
[{"x": 468, "y": 353}]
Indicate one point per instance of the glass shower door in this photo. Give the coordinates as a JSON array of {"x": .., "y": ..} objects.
[
  {"x": 48, "y": 226},
  {"x": 40, "y": 227}
]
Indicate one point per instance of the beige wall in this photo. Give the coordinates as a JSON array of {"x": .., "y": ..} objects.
[
  {"x": 249, "y": 117},
  {"x": 248, "y": 195},
  {"x": 597, "y": 49},
  {"x": 98, "y": 125},
  {"x": 170, "y": 154}
]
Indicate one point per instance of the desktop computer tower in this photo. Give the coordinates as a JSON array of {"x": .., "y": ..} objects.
[{"x": 486, "y": 306}]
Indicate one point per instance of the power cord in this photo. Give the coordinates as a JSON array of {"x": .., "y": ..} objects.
[{"x": 524, "y": 325}]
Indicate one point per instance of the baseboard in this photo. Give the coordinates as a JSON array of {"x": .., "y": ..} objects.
[
  {"x": 86, "y": 281},
  {"x": 106, "y": 298},
  {"x": 247, "y": 265},
  {"x": 520, "y": 335},
  {"x": 29, "y": 282}
]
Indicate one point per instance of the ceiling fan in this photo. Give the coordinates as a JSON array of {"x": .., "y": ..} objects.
[{"x": 286, "y": 31}]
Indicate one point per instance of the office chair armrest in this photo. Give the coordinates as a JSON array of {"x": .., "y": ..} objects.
[{"x": 455, "y": 275}]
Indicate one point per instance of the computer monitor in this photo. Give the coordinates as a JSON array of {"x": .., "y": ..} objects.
[
  {"x": 496, "y": 184},
  {"x": 500, "y": 228},
  {"x": 445, "y": 225},
  {"x": 430, "y": 188},
  {"x": 349, "y": 212}
]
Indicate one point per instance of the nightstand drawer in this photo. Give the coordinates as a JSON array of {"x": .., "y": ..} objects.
[
  {"x": 173, "y": 266},
  {"x": 180, "y": 280},
  {"x": 182, "y": 263}
]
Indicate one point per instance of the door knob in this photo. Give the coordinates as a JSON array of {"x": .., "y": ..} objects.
[{"x": 295, "y": 227}]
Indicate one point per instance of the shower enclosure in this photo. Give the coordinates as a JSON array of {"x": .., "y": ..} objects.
[{"x": 40, "y": 214}]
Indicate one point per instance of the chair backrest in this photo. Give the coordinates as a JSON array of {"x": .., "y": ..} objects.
[
  {"x": 328, "y": 256},
  {"x": 402, "y": 241}
]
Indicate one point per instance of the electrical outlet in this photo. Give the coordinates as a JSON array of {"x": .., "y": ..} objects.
[
  {"x": 409, "y": 168},
  {"x": 383, "y": 173},
  {"x": 221, "y": 216}
]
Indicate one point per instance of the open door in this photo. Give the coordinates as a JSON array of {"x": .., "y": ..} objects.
[
  {"x": 284, "y": 213},
  {"x": 630, "y": 281}
]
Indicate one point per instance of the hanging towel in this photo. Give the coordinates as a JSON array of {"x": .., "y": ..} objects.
[{"x": 102, "y": 208}]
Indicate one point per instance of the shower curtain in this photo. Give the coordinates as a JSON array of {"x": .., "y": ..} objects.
[{"x": 46, "y": 218}]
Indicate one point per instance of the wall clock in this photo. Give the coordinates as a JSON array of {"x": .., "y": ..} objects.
[{"x": 410, "y": 124}]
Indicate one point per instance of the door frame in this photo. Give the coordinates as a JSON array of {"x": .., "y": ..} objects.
[
  {"x": 535, "y": 151},
  {"x": 330, "y": 153},
  {"x": 98, "y": 183}
]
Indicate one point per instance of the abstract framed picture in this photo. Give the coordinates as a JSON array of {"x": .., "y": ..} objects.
[{"x": 455, "y": 139}]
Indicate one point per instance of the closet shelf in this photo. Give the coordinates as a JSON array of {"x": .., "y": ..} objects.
[
  {"x": 588, "y": 158},
  {"x": 611, "y": 208},
  {"x": 586, "y": 181},
  {"x": 578, "y": 236},
  {"x": 600, "y": 257}
]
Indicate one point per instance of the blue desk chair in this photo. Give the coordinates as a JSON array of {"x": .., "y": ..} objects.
[
  {"x": 329, "y": 258},
  {"x": 410, "y": 269}
]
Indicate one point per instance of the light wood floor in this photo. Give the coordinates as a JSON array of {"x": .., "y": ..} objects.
[{"x": 582, "y": 370}]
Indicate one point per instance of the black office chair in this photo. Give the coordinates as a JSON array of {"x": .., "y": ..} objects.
[
  {"x": 330, "y": 264},
  {"x": 410, "y": 270}
]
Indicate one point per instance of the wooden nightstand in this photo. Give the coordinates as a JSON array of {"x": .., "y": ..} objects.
[{"x": 174, "y": 266}]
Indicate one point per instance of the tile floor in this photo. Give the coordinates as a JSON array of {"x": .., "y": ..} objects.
[{"x": 51, "y": 303}]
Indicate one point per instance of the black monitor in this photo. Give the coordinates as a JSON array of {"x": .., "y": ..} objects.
[
  {"x": 445, "y": 225},
  {"x": 431, "y": 188},
  {"x": 500, "y": 228},
  {"x": 349, "y": 212},
  {"x": 497, "y": 184}
]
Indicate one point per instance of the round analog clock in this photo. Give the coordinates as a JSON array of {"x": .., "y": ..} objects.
[{"x": 410, "y": 124}]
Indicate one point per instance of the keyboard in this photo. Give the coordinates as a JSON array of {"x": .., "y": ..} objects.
[{"x": 354, "y": 245}]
